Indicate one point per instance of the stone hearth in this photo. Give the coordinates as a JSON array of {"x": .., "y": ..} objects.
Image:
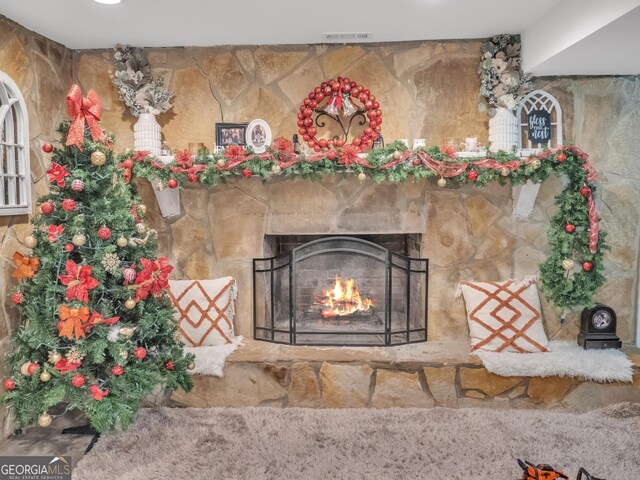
[{"x": 420, "y": 375}]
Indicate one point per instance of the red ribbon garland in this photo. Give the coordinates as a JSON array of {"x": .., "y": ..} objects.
[
  {"x": 83, "y": 110},
  {"x": 444, "y": 169}
]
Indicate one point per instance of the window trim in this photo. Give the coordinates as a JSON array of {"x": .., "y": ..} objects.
[{"x": 9, "y": 89}]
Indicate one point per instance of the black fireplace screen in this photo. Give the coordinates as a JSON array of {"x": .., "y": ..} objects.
[{"x": 340, "y": 291}]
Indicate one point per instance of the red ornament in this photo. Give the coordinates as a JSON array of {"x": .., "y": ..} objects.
[
  {"x": 417, "y": 162},
  {"x": 77, "y": 380},
  {"x": 246, "y": 173},
  {"x": 46, "y": 208},
  {"x": 117, "y": 370},
  {"x": 68, "y": 204},
  {"x": 585, "y": 191},
  {"x": 32, "y": 368},
  {"x": 69, "y": 247},
  {"x": 561, "y": 157},
  {"x": 169, "y": 365},
  {"x": 472, "y": 175},
  {"x": 9, "y": 384},
  {"x": 172, "y": 183},
  {"x": 192, "y": 177},
  {"x": 17, "y": 298},
  {"x": 104, "y": 233},
  {"x": 140, "y": 353},
  {"x": 587, "y": 266},
  {"x": 331, "y": 154},
  {"x": 47, "y": 147},
  {"x": 569, "y": 228}
]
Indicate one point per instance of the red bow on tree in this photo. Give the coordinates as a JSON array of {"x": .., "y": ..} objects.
[{"x": 83, "y": 110}]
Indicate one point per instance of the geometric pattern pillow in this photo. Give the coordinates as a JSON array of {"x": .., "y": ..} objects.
[
  {"x": 504, "y": 316},
  {"x": 204, "y": 310}
]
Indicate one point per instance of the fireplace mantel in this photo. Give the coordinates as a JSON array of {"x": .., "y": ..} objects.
[{"x": 523, "y": 196}]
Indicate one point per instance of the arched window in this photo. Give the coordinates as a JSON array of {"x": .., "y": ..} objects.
[
  {"x": 15, "y": 171},
  {"x": 540, "y": 100}
]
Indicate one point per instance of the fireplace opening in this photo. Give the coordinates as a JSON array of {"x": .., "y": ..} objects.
[{"x": 365, "y": 290}]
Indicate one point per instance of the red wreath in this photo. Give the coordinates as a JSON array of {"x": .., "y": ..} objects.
[{"x": 338, "y": 96}]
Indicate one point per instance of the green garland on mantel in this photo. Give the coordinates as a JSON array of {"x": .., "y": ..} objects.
[{"x": 570, "y": 275}]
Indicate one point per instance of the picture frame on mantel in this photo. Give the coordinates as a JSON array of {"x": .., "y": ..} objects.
[
  {"x": 259, "y": 135},
  {"x": 231, "y": 134}
]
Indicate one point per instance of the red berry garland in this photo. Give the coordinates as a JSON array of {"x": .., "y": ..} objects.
[{"x": 339, "y": 94}]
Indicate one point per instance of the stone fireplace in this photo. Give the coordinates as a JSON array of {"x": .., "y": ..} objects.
[{"x": 361, "y": 290}]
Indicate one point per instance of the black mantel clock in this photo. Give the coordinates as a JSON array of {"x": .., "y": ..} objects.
[{"x": 598, "y": 328}]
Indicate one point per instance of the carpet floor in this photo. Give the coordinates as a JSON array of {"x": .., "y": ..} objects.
[{"x": 438, "y": 443}]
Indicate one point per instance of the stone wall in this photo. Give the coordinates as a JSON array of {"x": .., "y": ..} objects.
[
  {"x": 43, "y": 70},
  {"x": 426, "y": 89}
]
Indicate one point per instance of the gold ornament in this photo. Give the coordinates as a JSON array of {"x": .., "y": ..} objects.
[
  {"x": 567, "y": 264},
  {"x": 442, "y": 183},
  {"x": 122, "y": 242},
  {"x": 220, "y": 162},
  {"x": 54, "y": 357},
  {"x": 30, "y": 242},
  {"x": 44, "y": 420},
  {"x": 140, "y": 228},
  {"x": 24, "y": 368},
  {"x": 79, "y": 239},
  {"x": 397, "y": 155},
  {"x": 276, "y": 169},
  {"x": 123, "y": 354},
  {"x": 98, "y": 158},
  {"x": 127, "y": 331},
  {"x": 45, "y": 376},
  {"x": 536, "y": 164},
  {"x": 142, "y": 208},
  {"x": 362, "y": 177},
  {"x": 191, "y": 366},
  {"x": 130, "y": 304},
  {"x": 504, "y": 172}
]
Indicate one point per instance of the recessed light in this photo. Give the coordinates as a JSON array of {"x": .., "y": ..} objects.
[{"x": 108, "y": 2}]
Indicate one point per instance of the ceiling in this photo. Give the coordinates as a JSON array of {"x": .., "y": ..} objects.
[{"x": 84, "y": 24}]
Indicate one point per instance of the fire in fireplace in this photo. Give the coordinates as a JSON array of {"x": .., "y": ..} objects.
[
  {"x": 342, "y": 300},
  {"x": 357, "y": 291}
]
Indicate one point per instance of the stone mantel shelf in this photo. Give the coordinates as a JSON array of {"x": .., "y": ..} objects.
[{"x": 524, "y": 196}]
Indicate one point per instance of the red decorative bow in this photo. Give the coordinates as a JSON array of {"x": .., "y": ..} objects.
[{"x": 83, "y": 110}]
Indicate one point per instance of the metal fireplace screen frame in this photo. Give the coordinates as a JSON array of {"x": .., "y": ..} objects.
[{"x": 276, "y": 318}]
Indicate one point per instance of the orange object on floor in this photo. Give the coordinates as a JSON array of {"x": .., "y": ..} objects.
[{"x": 547, "y": 472}]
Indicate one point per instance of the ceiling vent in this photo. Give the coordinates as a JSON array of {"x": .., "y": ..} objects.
[{"x": 347, "y": 36}]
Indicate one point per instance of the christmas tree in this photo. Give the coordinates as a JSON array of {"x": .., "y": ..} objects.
[{"x": 98, "y": 332}]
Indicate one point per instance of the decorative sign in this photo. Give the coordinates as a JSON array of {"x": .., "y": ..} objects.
[{"x": 539, "y": 126}]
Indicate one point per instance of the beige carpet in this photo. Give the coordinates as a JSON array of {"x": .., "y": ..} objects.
[{"x": 269, "y": 443}]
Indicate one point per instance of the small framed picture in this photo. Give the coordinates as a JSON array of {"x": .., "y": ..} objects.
[
  {"x": 231, "y": 134},
  {"x": 258, "y": 135}
]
